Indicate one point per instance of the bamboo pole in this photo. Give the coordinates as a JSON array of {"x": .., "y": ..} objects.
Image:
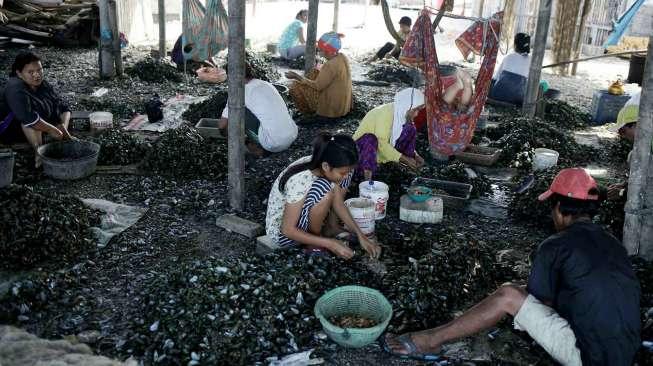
[
  {"x": 578, "y": 42},
  {"x": 311, "y": 35},
  {"x": 106, "y": 41},
  {"x": 115, "y": 32},
  {"x": 385, "y": 9},
  {"x": 535, "y": 71},
  {"x": 162, "y": 28},
  {"x": 336, "y": 14},
  {"x": 253, "y": 8},
  {"x": 638, "y": 225},
  {"x": 594, "y": 58},
  {"x": 236, "y": 102},
  {"x": 477, "y": 8}
]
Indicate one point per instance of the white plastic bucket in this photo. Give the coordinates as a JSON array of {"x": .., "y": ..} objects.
[
  {"x": 545, "y": 158},
  {"x": 362, "y": 211},
  {"x": 377, "y": 192},
  {"x": 101, "y": 120}
]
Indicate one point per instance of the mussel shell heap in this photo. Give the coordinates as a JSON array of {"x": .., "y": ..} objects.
[
  {"x": 35, "y": 228},
  {"x": 154, "y": 71},
  {"x": 522, "y": 134},
  {"x": 390, "y": 70},
  {"x": 565, "y": 115},
  {"x": 118, "y": 147},
  {"x": 210, "y": 108},
  {"x": 184, "y": 153}
]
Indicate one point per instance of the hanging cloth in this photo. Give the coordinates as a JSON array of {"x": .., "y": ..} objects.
[
  {"x": 449, "y": 129},
  {"x": 204, "y": 29}
]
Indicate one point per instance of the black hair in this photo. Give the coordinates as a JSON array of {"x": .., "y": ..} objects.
[
  {"x": 21, "y": 60},
  {"x": 405, "y": 21},
  {"x": 522, "y": 43},
  {"x": 301, "y": 13},
  {"x": 249, "y": 71},
  {"x": 575, "y": 207},
  {"x": 336, "y": 150}
]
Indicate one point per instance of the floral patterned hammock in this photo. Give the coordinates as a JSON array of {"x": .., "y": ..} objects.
[{"x": 449, "y": 129}]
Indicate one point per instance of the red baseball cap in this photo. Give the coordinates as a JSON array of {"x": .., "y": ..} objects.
[{"x": 573, "y": 183}]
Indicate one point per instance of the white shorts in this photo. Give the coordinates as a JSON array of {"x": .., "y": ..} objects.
[{"x": 549, "y": 330}]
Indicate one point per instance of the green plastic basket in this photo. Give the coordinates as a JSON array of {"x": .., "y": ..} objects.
[{"x": 356, "y": 300}]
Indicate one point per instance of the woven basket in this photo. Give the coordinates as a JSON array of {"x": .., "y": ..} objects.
[
  {"x": 353, "y": 300},
  {"x": 305, "y": 97}
]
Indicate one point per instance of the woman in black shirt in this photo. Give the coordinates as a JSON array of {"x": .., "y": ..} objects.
[{"x": 30, "y": 104}]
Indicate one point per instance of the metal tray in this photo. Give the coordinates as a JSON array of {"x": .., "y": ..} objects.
[{"x": 457, "y": 193}]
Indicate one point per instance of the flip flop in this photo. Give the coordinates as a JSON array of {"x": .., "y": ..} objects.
[
  {"x": 525, "y": 184},
  {"x": 408, "y": 344}
]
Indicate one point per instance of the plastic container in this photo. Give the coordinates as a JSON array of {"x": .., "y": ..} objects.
[
  {"x": 272, "y": 48},
  {"x": 353, "y": 300},
  {"x": 479, "y": 155},
  {"x": 362, "y": 211},
  {"x": 7, "y": 161},
  {"x": 100, "y": 121},
  {"x": 69, "y": 160},
  {"x": 605, "y": 107},
  {"x": 456, "y": 194},
  {"x": 378, "y": 193},
  {"x": 208, "y": 127},
  {"x": 427, "y": 212},
  {"x": 545, "y": 158},
  {"x": 419, "y": 193}
]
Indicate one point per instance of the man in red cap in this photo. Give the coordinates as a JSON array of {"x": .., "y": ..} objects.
[{"x": 582, "y": 300}]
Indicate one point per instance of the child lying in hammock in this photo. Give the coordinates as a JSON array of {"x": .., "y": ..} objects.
[{"x": 461, "y": 92}]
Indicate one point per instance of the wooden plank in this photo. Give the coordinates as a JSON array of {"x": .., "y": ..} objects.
[{"x": 311, "y": 36}]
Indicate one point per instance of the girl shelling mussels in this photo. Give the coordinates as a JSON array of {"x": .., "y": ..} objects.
[{"x": 307, "y": 199}]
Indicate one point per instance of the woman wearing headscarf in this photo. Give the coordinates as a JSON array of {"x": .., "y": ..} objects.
[
  {"x": 328, "y": 93},
  {"x": 387, "y": 133}
]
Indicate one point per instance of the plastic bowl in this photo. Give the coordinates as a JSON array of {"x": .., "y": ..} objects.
[{"x": 419, "y": 193}]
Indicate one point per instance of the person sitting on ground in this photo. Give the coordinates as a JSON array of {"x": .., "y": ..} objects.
[
  {"x": 509, "y": 81},
  {"x": 308, "y": 199},
  {"x": 329, "y": 94},
  {"x": 394, "y": 50},
  {"x": 582, "y": 300},
  {"x": 30, "y": 107},
  {"x": 626, "y": 126},
  {"x": 268, "y": 124},
  {"x": 292, "y": 43},
  {"x": 387, "y": 133}
]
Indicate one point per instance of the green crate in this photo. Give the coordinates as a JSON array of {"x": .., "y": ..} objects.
[{"x": 357, "y": 300}]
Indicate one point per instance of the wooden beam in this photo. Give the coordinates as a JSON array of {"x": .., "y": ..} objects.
[
  {"x": 311, "y": 35},
  {"x": 236, "y": 102},
  {"x": 162, "y": 28},
  {"x": 638, "y": 225},
  {"x": 535, "y": 72},
  {"x": 593, "y": 58}
]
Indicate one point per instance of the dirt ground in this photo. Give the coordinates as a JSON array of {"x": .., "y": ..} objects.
[{"x": 105, "y": 287}]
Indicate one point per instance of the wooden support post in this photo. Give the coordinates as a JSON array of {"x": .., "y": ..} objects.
[
  {"x": 162, "y": 28},
  {"x": 311, "y": 35},
  {"x": 578, "y": 42},
  {"x": 115, "y": 31},
  {"x": 539, "y": 41},
  {"x": 477, "y": 10},
  {"x": 253, "y": 8},
  {"x": 336, "y": 14},
  {"x": 638, "y": 225},
  {"x": 236, "y": 102},
  {"x": 106, "y": 41}
]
